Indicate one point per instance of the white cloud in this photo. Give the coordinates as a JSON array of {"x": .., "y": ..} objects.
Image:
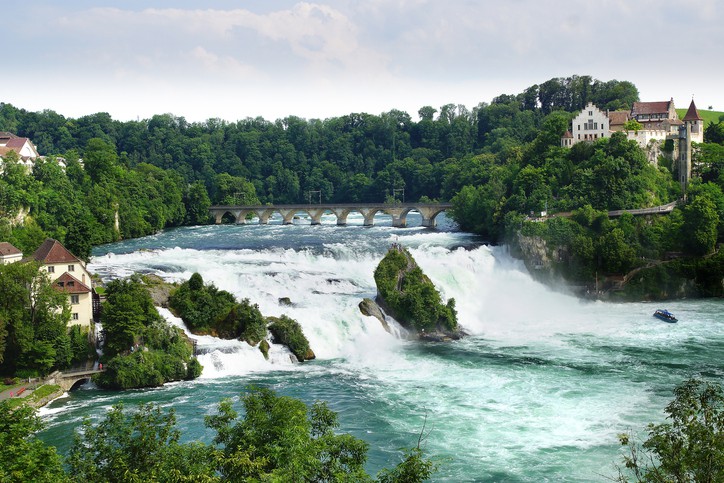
[{"x": 327, "y": 58}]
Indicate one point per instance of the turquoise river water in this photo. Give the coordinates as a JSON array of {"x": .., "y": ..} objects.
[{"x": 537, "y": 392}]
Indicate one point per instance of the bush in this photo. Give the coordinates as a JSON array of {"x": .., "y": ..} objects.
[
  {"x": 287, "y": 331},
  {"x": 193, "y": 368},
  {"x": 201, "y": 307}
]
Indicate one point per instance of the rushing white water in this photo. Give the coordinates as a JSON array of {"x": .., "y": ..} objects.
[{"x": 537, "y": 392}]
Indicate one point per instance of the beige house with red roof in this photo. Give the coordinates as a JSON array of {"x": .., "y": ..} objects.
[
  {"x": 9, "y": 254},
  {"x": 70, "y": 276}
]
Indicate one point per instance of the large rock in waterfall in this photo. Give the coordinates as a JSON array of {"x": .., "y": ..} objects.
[
  {"x": 370, "y": 308},
  {"x": 408, "y": 295}
]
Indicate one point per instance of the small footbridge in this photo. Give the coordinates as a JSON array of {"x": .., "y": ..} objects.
[
  {"x": 71, "y": 379},
  {"x": 398, "y": 211}
]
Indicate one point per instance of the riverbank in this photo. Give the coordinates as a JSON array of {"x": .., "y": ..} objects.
[{"x": 36, "y": 397}]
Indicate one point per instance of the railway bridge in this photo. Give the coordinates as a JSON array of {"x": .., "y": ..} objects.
[{"x": 398, "y": 211}]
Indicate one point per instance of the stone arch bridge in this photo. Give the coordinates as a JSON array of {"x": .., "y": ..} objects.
[
  {"x": 398, "y": 211},
  {"x": 70, "y": 380}
]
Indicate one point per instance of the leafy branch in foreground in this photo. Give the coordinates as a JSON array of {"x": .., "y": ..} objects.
[{"x": 689, "y": 448}]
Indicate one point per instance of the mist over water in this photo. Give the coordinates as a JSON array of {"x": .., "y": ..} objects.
[{"x": 537, "y": 392}]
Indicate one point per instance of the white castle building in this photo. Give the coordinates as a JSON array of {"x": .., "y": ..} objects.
[{"x": 658, "y": 123}]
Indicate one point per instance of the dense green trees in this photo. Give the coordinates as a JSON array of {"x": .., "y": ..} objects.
[
  {"x": 141, "y": 349},
  {"x": 34, "y": 337},
  {"x": 278, "y": 438},
  {"x": 497, "y": 162}
]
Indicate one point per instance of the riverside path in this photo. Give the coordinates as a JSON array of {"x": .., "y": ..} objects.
[{"x": 398, "y": 211}]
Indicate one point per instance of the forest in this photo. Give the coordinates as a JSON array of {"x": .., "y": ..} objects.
[{"x": 497, "y": 163}]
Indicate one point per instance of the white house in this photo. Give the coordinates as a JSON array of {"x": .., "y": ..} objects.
[
  {"x": 9, "y": 254},
  {"x": 70, "y": 276},
  {"x": 22, "y": 146},
  {"x": 590, "y": 124}
]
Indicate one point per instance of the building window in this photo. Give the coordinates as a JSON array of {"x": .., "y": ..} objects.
[
  {"x": 590, "y": 113},
  {"x": 75, "y": 316},
  {"x": 71, "y": 268},
  {"x": 74, "y": 299},
  {"x": 51, "y": 269}
]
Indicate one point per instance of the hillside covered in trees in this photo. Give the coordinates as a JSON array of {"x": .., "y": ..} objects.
[{"x": 497, "y": 162}]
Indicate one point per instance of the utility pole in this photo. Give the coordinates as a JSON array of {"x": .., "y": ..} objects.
[{"x": 309, "y": 196}]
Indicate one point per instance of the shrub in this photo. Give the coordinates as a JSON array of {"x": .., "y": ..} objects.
[{"x": 287, "y": 331}]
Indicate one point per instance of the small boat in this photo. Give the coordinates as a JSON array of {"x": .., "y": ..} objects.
[{"x": 665, "y": 315}]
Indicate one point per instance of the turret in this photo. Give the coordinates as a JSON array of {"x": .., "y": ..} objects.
[{"x": 696, "y": 123}]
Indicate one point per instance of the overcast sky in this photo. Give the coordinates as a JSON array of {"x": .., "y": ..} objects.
[{"x": 273, "y": 58}]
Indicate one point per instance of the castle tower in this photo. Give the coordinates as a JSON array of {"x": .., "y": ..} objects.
[
  {"x": 684, "y": 156},
  {"x": 691, "y": 131},
  {"x": 693, "y": 118},
  {"x": 567, "y": 140}
]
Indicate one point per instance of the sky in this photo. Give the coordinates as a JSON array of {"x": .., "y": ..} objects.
[{"x": 274, "y": 58}]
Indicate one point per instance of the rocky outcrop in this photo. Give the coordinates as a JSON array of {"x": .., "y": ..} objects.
[
  {"x": 408, "y": 295},
  {"x": 369, "y": 308},
  {"x": 287, "y": 331},
  {"x": 158, "y": 288}
]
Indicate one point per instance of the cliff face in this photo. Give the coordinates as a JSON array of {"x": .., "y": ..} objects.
[{"x": 659, "y": 280}]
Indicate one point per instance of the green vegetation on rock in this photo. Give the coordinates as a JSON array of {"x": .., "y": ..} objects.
[
  {"x": 202, "y": 307},
  {"x": 207, "y": 310},
  {"x": 287, "y": 331},
  {"x": 409, "y": 295},
  {"x": 141, "y": 349}
]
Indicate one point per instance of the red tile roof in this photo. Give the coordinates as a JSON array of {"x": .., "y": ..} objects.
[
  {"x": 692, "y": 114},
  {"x": 640, "y": 108},
  {"x": 16, "y": 142},
  {"x": 567, "y": 134},
  {"x": 52, "y": 251},
  {"x": 8, "y": 249},
  {"x": 618, "y": 117},
  {"x": 69, "y": 284}
]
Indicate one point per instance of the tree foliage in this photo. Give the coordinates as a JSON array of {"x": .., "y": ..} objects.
[
  {"x": 278, "y": 438},
  {"x": 138, "y": 446},
  {"x": 33, "y": 321},
  {"x": 23, "y": 457},
  {"x": 687, "y": 448},
  {"x": 141, "y": 349}
]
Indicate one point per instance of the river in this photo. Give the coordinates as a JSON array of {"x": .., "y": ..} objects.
[{"x": 537, "y": 392}]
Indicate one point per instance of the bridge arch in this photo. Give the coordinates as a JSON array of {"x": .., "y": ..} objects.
[{"x": 76, "y": 383}]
